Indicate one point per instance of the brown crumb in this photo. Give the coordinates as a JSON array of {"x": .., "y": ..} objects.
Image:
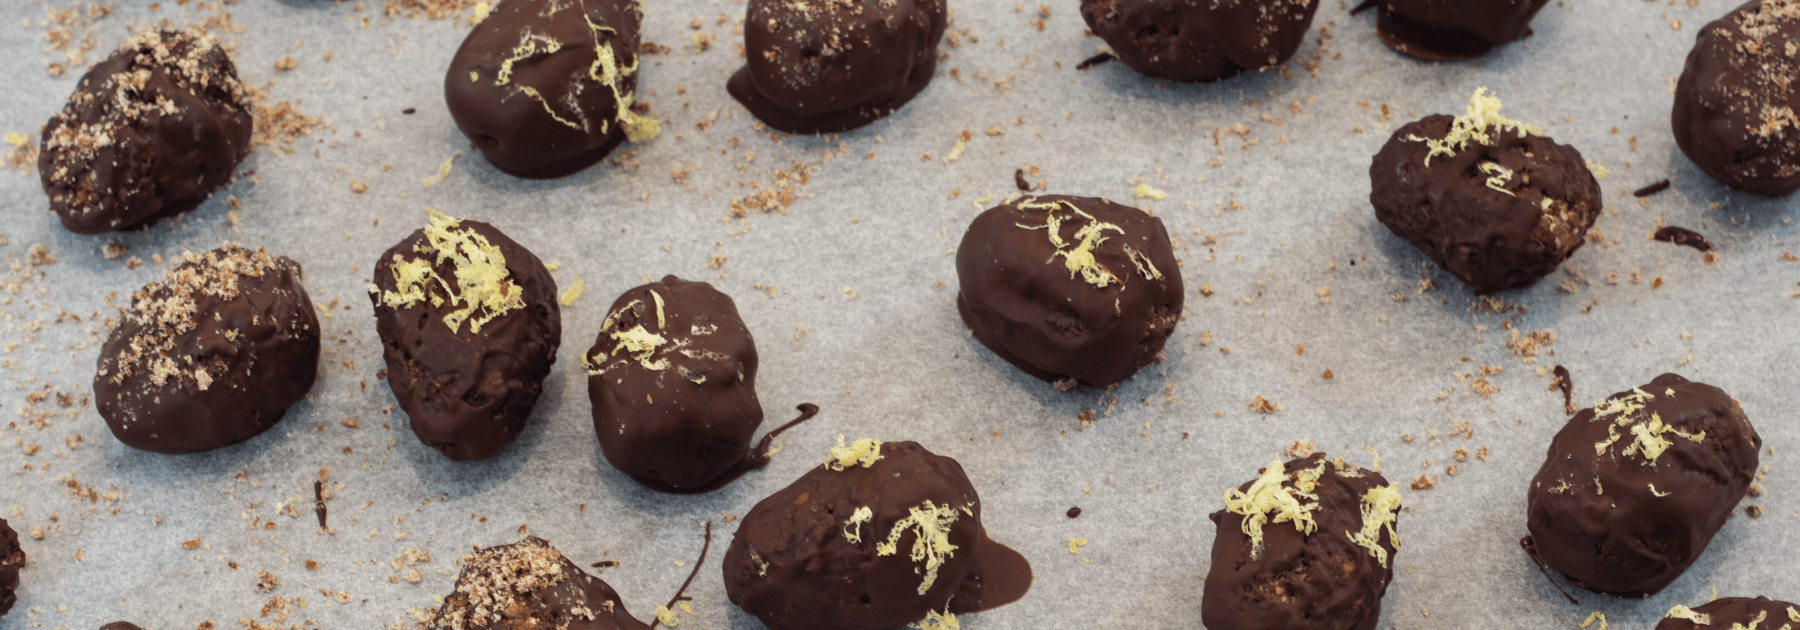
[
  {"x": 1756, "y": 489},
  {"x": 1327, "y": 375},
  {"x": 358, "y": 187},
  {"x": 191, "y": 544},
  {"x": 265, "y": 581},
  {"x": 1423, "y": 482},
  {"x": 312, "y": 565},
  {"x": 1753, "y": 511},
  {"x": 1300, "y": 448},
  {"x": 286, "y": 63},
  {"x": 1264, "y": 405}
]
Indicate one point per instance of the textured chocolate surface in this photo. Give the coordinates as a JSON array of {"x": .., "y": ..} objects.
[
  {"x": 1453, "y": 29},
  {"x": 1069, "y": 287},
  {"x": 1727, "y": 613},
  {"x": 854, "y": 548},
  {"x": 1287, "y": 579},
  {"x": 544, "y": 88},
  {"x": 1499, "y": 213},
  {"x": 12, "y": 558},
  {"x": 466, "y": 366},
  {"x": 149, "y": 133},
  {"x": 672, "y": 377},
  {"x": 529, "y": 585},
  {"x": 1195, "y": 41},
  {"x": 817, "y": 67},
  {"x": 1735, "y": 101},
  {"x": 212, "y": 355},
  {"x": 1633, "y": 489}
]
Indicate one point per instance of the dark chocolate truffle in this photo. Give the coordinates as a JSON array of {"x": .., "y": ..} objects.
[
  {"x": 529, "y": 585},
  {"x": 1308, "y": 545},
  {"x": 1735, "y": 103},
  {"x": 1453, "y": 29},
  {"x": 469, "y": 327},
  {"x": 1072, "y": 290},
  {"x": 672, "y": 377},
  {"x": 148, "y": 134},
  {"x": 1491, "y": 200},
  {"x": 212, "y": 355},
  {"x": 816, "y": 67},
  {"x": 1186, "y": 40},
  {"x": 545, "y": 87},
  {"x": 1634, "y": 488},
  {"x": 1738, "y": 612},
  {"x": 881, "y": 536},
  {"x": 12, "y": 558}
]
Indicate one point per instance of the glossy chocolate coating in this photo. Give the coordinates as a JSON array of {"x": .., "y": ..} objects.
[
  {"x": 792, "y": 565},
  {"x": 529, "y": 585},
  {"x": 815, "y": 67},
  {"x": 1024, "y": 303},
  {"x": 212, "y": 355},
  {"x": 12, "y": 558},
  {"x": 531, "y": 86},
  {"x": 1735, "y": 101},
  {"x": 1323, "y": 580},
  {"x": 1738, "y": 612},
  {"x": 1621, "y": 524},
  {"x": 1493, "y": 241},
  {"x": 149, "y": 133},
  {"x": 468, "y": 393},
  {"x": 1453, "y": 29},
  {"x": 679, "y": 416},
  {"x": 1200, "y": 40}
]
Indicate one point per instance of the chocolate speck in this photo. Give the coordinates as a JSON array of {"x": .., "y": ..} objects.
[
  {"x": 1019, "y": 180},
  {"x": 1567, "y": 386},
  {"x": 1683, "y": 236},
  {"x": 1095, "y": 61},
  {"x": 409, "y": 111},
  {"x": 319, "y": 502},
  {"x": 1652, "y": 189},
  {"x": 1074, "y": 512}
]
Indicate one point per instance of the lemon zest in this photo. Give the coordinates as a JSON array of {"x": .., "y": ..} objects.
[
  {"x": 573, "y": 293},
  {"x": 1483, "y": 112},
  {"x": 931, "y": 538},
  {"x": 865, "y": 451},
  {"x": 1144, "y": 191},
  {"x": 1499, "y": 176},
  {"x": 935, "y": 620},
  {"x": 1596, "y": 615},
  {"x": 857, "y": 518},
  {"x": 1266, "y": 495},
  {"x": 479, "y": 268},
  {"x": 443, "y": 171},
  {"x": 1379, "y": 508},
  {"x": 642, "y": 345},
  {"x": 1683, "y": 612}
]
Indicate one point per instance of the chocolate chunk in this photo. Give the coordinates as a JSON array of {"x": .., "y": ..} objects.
[
  {"x": 1019, "y": 180},
  {"x": 826, "y": 67},
  {"x": 544, "y": 88},
  {"x": 1434, "y": 29},
  {"x": 1074, "y": 512},
  {"x": 1490, "y": 200},
  {"x": 1659, "y": 186},
  {"x": 672, "y": 377},
  {"x": 1733, "y": 612},
  {"x": 1735, "y": 101},
  {"x": 1565, "y": 383},
  {"x": 466, "y": 366},
  {"x": 881, "y": 536},
  {"x": 148, "y": 134},
  {"x": 529, "y": 584},
  {"x": 1181, "y": 40},
  {"x": 212, "y": 355},
  {"x": 1682, "y": 236},
  {"x": 12, "y": 558},
  {"x": 1633, "y": 489},
  {"x": 1069, "y": 289},
  {"x": 1309, "y": 544}
]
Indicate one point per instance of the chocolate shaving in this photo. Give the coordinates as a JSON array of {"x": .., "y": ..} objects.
[
  {"x": 708, "y": 545},
  {"x": 1074, "y": 512},
  {"x": 1019, "y": 180},
  {"x": 1683, "y": 236},
  {"x": 1095, "y": 61},
  {"x": 319, "y": 502},
  {"x": 604, "y": 564},
  {"x": 1567, "y": 386},
  {"x": 1652, "y": 189}
]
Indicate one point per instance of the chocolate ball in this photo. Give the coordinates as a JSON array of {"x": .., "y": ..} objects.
[
  {"x": 529, "y": 585},
  {"x": 469, "y": 326},
  {"x": 1185, "y": 40},
  {"x": 881, "y": 536},
  {"x": 149, "y": 133},
  {"x": 12, "y": 558},
  {"x": 1635, "y": 487},
  {"x": 672, "y": 377},
  {"x": 211, "y": 356},
  {"x": 1735, "y": 102},
  {"x": 544, "y": 88},
  {"x": 1453, "y": 29},
  {"x": 1739, "y": 612},
  {"x": 826, "y": 67},
  {"x": 1308, "y": 545},
  {"x": 1491, "y": 200},
  {"x": 1072, "y": 290}
]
